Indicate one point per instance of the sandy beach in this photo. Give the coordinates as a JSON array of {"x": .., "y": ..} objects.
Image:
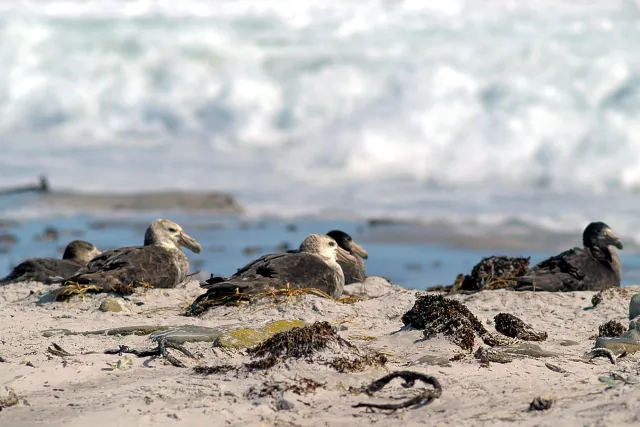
[{"x": 76, "y": 383}]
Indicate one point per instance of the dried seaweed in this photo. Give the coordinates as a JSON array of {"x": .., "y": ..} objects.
[
  {"x": 437, "y": 314},
  {"x": 425, "y": 397},
  {"x": 299, "y": 342},
  {"x": 277, "y": 388},
  {"x": 359, "y": 364},
  {"x": 612, "y": 328},
  {"x": 513, "y": 327},
  {"x": 494, "y": 272},
  {"x": 305, "y": 386},
  {"x": 486, "y": 355},
  {"x": 540, "y": 404},
  {"x": 211, "y": 370},
  {"x": 11, "y": 399},
  {"x": 56, "y": 350}
]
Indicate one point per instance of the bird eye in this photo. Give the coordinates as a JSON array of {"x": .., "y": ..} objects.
[
  {"x": 172, "y": 230},
  {"x": 332, "y": 243}
]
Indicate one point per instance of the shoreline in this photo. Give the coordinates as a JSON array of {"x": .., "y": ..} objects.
[{"x": 71, "y": 390}]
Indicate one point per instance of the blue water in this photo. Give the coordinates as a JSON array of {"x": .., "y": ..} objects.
[{"x": 223, "y": 239}]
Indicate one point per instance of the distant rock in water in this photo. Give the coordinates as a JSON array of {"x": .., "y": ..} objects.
[{"x": 182, "y": 200}]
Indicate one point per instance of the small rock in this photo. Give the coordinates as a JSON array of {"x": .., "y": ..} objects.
[
  {"x": 246, "y": 337},
  {"x": 110, "y": 305},
  {"x": 283, "y": 405},
  {"x": 8, "y": 239},
  {"x": 634, "y": 306}
]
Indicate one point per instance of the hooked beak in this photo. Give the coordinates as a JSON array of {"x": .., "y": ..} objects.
[
  {"x": 189, "y": 242},
  {"x": 358, "y": 250},
  {"x": 610, "y": 239},
  {"x": 614, "y": 241},
  {"x": 344, "y": 256}
]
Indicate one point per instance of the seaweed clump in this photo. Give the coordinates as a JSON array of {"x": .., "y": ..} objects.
[
  {"x": 305, "y": 342},
  {"x": 299, "y": 342},
  {"x": 211, "y": 370},
  {"x": 513, "y": 327},
  {"x": 437, "y": 314},
  {"x": 495, "y": 272},
  {"x": 612, "y": 328},
  {"x": 359, "y": 364}
]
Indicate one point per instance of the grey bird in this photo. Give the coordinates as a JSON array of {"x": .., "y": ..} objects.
[
  {"x": 315, "y": 265},
  {"x": 77, "y": 254},
  {"x": 160, "y": 263}
]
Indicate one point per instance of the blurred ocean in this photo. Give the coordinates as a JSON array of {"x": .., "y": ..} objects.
[{"x": 484, "y": 114}]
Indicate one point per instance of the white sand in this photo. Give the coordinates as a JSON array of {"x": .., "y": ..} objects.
[{"x": 81, "y": 390}]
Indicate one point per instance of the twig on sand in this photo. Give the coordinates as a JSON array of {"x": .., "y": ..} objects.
[
  {"x": 56, "y": 350},
  {"x": 602, "y": 352},
  {"x": 161, "y": 350},
  {"x": 409, "y": 377}
]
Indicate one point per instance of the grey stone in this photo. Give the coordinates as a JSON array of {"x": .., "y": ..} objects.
[
  {"x": 110, "y": 306},
  {"x": 634, "y": 306},
  {"x": 283, "y": 405}
]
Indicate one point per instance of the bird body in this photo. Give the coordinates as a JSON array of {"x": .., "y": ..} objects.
[{"x": 594, "y": 267}]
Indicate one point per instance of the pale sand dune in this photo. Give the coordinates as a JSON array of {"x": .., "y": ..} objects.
[{"x": 152, "y": 393}]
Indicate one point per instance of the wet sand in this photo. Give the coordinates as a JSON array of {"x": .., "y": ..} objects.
[{"x": 82, "y": 388}]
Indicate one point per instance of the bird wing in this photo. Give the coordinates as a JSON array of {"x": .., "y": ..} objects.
[
  {"x": 40, "y": 269},
  {"x": 563, "y": 272},
  {"x": 152, "y": 265}
]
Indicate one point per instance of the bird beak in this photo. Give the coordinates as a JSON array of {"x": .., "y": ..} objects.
[
  {"x": 95, "y": 252},
  {"x": 189, "y": 242},
  {"x": 344, "y": 256},
  {"x": 611, "y": 239},
  {"x": 358, "y": 250}
]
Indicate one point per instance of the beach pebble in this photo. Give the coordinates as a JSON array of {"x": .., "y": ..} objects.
[
  {"x": 634, "y": 306},
  {"x": 283, "y": 405},
  {"x": 110, "y": 305},
  {"x": 373, "y": 287}
]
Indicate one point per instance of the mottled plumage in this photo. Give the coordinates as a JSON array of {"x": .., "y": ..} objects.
[
  {"x": 76, "y": 254},
  {"x": 314, "y": 266},
  {"x": 351, "y": 260},
  {"x": 592, "y": 268},
  {"x": 159, "y": 263}
]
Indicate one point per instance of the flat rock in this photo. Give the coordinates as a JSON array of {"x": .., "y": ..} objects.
[
  {"x": 373, "y": 287},
  {"x": 634, "y": 306},
  {"x": 187, "y": 333},
  {"x": 182, "y": 200},
  {"x": 247, "y": 337},
  {"x": 627, "y": 342}
]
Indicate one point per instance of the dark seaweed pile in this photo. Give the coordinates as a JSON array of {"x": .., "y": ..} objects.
[
  {"x": 494, "y": 272},
  {"x": 299, "y": 342},
  {"x": 511, "y": 326},
  {"x": 612, "y": 328},
  {"x": 437, "y": 314},
  {"x": 306, "y": 341}
]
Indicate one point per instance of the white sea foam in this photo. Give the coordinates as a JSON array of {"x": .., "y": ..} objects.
[{"x": 386, "y": 107}]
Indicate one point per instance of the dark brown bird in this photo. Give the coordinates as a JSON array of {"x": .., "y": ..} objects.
[
  {"x": 594, "y": 267},
  {"x": 159, "y": 263},
  {"x": 77, "y": 254}
]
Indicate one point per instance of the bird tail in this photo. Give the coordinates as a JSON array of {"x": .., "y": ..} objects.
[
  {"x": 217, "y": 295},
  {"x": 212, "y": 281}
]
